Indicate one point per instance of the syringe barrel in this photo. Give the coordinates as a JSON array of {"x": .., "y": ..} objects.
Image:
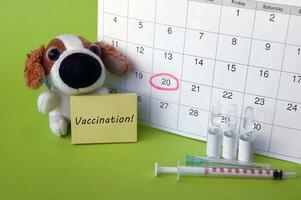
[
  {"x": 224, "y": 172},
  {"x": 230, "y": 172}
]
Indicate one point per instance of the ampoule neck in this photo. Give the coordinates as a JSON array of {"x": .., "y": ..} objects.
[
  {"x": 231, "y": 133},
  {"x": 215, "y": 130},
  {"x": 247, "y": 136}
]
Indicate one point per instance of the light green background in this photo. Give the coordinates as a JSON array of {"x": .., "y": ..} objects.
[{"x": 35, "y": 164}]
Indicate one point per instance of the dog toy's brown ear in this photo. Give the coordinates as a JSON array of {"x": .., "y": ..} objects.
[
  {"x": 34, "y": 71},
  {"x": 113, "y": 60}
]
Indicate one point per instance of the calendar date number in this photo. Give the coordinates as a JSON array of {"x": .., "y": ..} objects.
[
  {"x": 292, "y": 107},
  {"x": 227, "y": 95}
]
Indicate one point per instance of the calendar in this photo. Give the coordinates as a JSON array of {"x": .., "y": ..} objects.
[{"x": 187, "y": 54}]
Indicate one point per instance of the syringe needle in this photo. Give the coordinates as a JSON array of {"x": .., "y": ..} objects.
[{"x": 205, "y": 161}]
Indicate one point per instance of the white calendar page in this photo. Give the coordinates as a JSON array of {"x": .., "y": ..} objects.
[{"x": 187, "y": 54}]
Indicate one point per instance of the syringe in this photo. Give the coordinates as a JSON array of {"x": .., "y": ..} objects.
[{"x": 224, "y": 172}]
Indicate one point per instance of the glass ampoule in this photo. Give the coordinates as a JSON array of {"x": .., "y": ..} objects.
[
  {"x": 229, "y": 149},
  {"x": 247, "y": 137},
  {"x": 215, "y": 133}
]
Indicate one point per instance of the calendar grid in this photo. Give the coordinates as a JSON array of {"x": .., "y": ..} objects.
[
  {"x": 198, "y": 135},
  {"x": 279, "y": 83},
  {"x": 150, "y": 102},
  {"x": 297, "y": 13},
  {"x": 248, "y": 65},
  {"x": 206, "y": 110},
  {"x": 214, "y": 67},
  {"x": 127, "y": 35},
  {"x": 252, "y": 37},
  {"x": 224, "y": 113},
  {"x": 193, "y": 55},
  {"x": 183, "y": 57},
  {"x": 253, "y": 66},
  {"x": 206, "y": 31}
]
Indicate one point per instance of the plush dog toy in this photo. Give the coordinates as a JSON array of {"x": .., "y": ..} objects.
[{"x": 70, "y": 65}]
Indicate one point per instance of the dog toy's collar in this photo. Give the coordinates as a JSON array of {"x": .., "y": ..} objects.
[{"x": 47, "y": 84}]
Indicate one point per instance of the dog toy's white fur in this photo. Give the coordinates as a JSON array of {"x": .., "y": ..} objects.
[
  {"x": 57, "y": 101},
  {"x": 57, "y": 105}
]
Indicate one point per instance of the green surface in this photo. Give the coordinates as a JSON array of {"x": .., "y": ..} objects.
[{"x": 35, "y": 164}]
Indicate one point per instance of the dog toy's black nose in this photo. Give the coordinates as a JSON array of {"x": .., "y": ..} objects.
[{"x": 80, "y": 70}]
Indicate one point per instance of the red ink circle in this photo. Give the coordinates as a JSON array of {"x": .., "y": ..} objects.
[{"x": 162, "y": 88}]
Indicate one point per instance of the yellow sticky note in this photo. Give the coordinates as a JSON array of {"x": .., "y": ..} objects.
[{"x": 104, "y": 118}]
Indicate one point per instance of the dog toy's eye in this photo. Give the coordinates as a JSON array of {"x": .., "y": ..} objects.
[
  {"x": 95, "y": 49},
  {"x": 53, "y": 54}
]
